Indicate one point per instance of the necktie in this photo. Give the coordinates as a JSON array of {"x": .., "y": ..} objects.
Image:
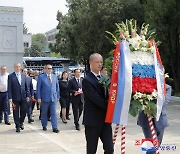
[
  {"x": 49, "y": 77},
  {"x": 78, "y": 81},
  {"x": 18, "y": 76},
  {"x": 98, "y": 77}
]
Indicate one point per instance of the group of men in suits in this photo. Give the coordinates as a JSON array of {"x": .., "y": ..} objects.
[{"x": 87, "y": 91}]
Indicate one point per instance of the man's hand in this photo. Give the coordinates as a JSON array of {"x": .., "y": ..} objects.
[
  {"x": 39, "y": 100},
  {"x": 27, "y": 99},
  {"x": 10, "y": 101},
  {"x": 32, "y": 97},
  {"x": 76, "y": 93},
  {"x": 13, "y": 105}
]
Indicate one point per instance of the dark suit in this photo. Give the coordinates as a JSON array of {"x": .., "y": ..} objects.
[
  {"x": 159, "y": 125},
  {"x": 18, "y": 93},
  {"x": 29, "y": 104},
  {"x": 77, "y": 101},
  {"x": 95, "y": 107}
]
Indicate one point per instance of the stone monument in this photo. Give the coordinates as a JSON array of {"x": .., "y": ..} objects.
[{"x": 11, "y": 36}]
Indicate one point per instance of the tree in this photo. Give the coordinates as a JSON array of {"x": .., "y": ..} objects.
[
  {"x": 39, "y": 40},
  {"x": 83, "y": 28},
  {"x": 33, "y": 52},
  {"x": 165, "y": 17}
]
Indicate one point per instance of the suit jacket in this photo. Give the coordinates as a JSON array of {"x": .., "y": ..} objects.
[
  {"x": 74, "y": 86},
  {"x": 95, "y": 105},
  {"x": 30, "y": 86},
  {"x": 17, "y": 92},
  {"x": 46, "y": 91},
  {"x": 163, "y": 122}
]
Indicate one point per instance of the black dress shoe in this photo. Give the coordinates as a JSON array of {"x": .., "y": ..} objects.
[
  {"x": 22, "y": 127},
  {"x": 44, "y": 129},
  {"x": 17, "y": 130},
  {"x": 64, "y": 121},
  {"x": 68, "y": 118},
  {"x": 30, "y": 120},
  {"x": 7, "y": 123},
  {"x": 55, "y": 130},
  {"x": 77, "y": 127}
]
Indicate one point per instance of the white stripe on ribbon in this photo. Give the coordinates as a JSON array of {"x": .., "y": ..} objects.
[
  {"x": 159, "y": 72},
  {"x": 128, "y": 84}
]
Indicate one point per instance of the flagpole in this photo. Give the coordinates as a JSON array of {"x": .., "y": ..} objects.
[
  {"x": 154, "y": 137},
  {"x": 123, "y": 133}
]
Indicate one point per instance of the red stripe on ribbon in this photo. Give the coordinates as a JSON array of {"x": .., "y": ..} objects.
[
  {"x": 160, "y": 61},
  {"x": 113, "y": 86}
]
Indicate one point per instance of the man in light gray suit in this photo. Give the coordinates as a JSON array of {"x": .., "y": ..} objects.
[{"x": 159, "y": 125}]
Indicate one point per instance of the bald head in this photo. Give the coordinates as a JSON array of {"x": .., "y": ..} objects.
[
  {"x": 94, "y": 56},
  {"x": 96, "y": 62}
]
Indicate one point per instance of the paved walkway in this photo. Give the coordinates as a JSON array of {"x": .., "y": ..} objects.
[{"x": 33, "y": 140}]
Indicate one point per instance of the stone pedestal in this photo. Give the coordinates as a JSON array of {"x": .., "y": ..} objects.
[{"x": 11, "y": 36}]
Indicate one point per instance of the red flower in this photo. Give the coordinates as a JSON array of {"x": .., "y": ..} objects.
[{"x": 143, "y": 85}]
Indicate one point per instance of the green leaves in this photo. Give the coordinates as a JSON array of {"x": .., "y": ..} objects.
[
  {"x": 105, "y": 81},
  {"x": 135, "y": 107},
  {"x": 148, "y": 107}
]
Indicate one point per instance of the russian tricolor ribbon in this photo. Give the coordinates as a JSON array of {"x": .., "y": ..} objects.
[{"x": 124, "y": 86}]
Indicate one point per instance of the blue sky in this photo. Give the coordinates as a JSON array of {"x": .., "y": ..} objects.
[{"x": 39, "y": 15}]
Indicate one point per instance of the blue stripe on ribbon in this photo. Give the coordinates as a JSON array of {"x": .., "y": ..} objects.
[
  {"x": 121, "y": 86},
  {"x": 143, "y": 71}
]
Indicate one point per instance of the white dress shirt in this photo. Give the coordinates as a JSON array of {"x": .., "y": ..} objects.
[
  {"x": 96, "y": 75},
  {"x": 34, "y": 83},
  {"x": 18, "y": 75},
  {"x": 3, "y": 82}
]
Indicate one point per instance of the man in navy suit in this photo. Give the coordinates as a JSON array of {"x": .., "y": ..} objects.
[
  {"x": 48, "y": 95},
  {"x": 77, "y": 98},
  {"x": 159, "y": 125},
  {"x": 18, "y": 95},
  {"x": 95, "y": 107},
  {"x": 30, "y": 87}
]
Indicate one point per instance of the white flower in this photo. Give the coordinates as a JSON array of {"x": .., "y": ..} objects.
[
  {"x": 154, "y": 94},
  {"x": 135, "y": 42},
  {"x": 143, "y": 49},
  {"x": 149, "y": 97},
  {"x": 144, "y": 43},
  {"x": 137, "y": 95},
  {"x": 143, "y": 58}
]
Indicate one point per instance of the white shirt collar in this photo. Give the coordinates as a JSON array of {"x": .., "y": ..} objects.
[
  {"x": 95, "y": 73},
  {"x": 48, "y": 75},
  {"x": 77, "y": 78},
  {"x": 18, "y": 73}
]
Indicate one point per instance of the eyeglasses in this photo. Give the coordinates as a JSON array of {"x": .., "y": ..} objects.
[{"x": 49, "y": 68}]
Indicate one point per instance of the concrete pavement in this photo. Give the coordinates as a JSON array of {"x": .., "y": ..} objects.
[{"x": 33, "y": 140}]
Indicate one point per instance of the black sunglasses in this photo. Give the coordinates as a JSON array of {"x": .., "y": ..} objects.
[{"x": 49, "y": 68}]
